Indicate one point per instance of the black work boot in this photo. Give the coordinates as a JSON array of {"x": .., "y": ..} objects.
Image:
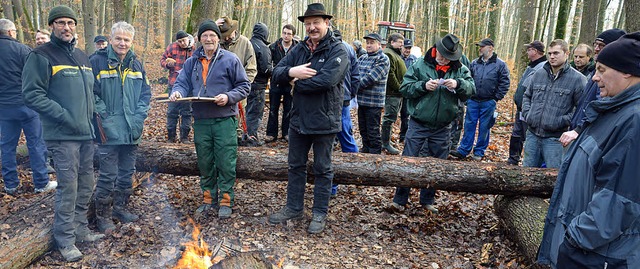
[
  {"x": 171, "y": 136},
  {"x": 515, "y": 149},
  {"x": 120, "y": 201},
  {"x": 184, "y": 135},
  {"x": 103, "y": 215},
  {"x": 386, "y": 137}
]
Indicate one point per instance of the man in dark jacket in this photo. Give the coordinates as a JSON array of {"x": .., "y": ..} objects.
[
  {"x": 256, "y": 99},
  {"x": 357, "y": 46},
  {"x": 433, "y": 85},
  {"x": 591, "y": 91},
  {"x": 548, "y": 104},
  {"x": 122, "y": 95},
  {"x": 409, "y": 59},
  {"x": 393, "y": 98},
  {"x": 583, "y": 59},
  {"x": 58, "y": 84},
  {"x": 316, "y": 68},
  {"x": 491, "y": 77},
  {"x": 15, "y": 117},
  {"x": 214, "y": 128},
  {"x": 280, "y": 93},
  {"x": 593, "y": 214},
  {"x": 172, "y": 59},
  {"x": 535, "y": 53}
]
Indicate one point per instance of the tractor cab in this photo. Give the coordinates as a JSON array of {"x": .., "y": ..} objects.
[{"x": 385, "y": 28}]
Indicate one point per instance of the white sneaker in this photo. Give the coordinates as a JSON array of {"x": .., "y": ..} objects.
[{"x": 50, "y": 186}]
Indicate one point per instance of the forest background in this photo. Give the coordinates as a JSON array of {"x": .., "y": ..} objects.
[{"x": 510, "y": 23}]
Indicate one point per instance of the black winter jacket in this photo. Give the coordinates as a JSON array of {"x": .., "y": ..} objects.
[
  {"x": 317, "y": 101},
  {"x": 263, "y": 54},
  {"x": 277, "y": 53},
  {"x": 14, "y": 54}
]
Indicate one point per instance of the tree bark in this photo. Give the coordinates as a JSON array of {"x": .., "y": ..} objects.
[
  {"x": 631, "y": 11},
  {"x": 168, "y": 23},
  {"x": 522, "y": 220},
  {"x": 365, "y": 169},
  {"x": 589, "y": 21},
  {"x": 563, "y": 16},
  {"x": 89, "y": 12}
]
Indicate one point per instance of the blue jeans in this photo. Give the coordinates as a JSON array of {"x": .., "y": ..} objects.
[
  {"x": 255, "y": 108},
  {"x": 538, "y": 150},
  {"x": 13, "y": 120},
  {"x": 299, "y": 146},
  {"x": 478, "y": 113},
  {"x": 117, "y": 164},
  {"x": 347, "y": 142},
  {"x": 422, "y": 141},
  {"x": 73, "y": 162},
  {"x": 275, "y": 96}
]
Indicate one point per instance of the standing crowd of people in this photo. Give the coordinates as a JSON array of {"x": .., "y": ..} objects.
[{"x": 579, "y": 116}]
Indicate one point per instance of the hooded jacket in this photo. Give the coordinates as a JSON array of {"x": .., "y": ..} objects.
[
  {"x": 122, "y": 95},
  {"x": 549, "y": 100},
  {"x": 57, "y": 82},
  {"x": 491, "y": 77},
  {"x": 263, "y": 54},
  {"x": 317, "y": 101},
  {"x": 596, "y": 198},
  {"x": 435, "y": 109},
  {"x": 225, "y": 75}
]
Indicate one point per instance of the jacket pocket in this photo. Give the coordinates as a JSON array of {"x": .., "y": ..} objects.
[{"x": 110, "y": 126}]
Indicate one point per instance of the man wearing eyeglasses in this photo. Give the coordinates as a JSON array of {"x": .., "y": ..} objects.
[
  {"x": 58, "y": 84},
  {"x": 591, "y": 91}
]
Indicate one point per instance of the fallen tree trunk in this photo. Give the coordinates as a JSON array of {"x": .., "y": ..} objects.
[
  {"x": 365, "y": 169},
  {"x": 522, "y": 220}
]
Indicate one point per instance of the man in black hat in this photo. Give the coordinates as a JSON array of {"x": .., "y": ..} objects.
[
  {"x": 315, "y": 68},
  {"x": 58, "y": 84},
  {"x": 535, "y": 53},
  {"x": 591, "y": 91},
  {"x": 491, "y": 76},
  {"x": 433, "y": 85},
  {"x": 100, "y": 42},
  {"x": 592, "y": 221}
]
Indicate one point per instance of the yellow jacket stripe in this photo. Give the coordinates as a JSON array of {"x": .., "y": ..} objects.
[{"x": 57, "y": 68}]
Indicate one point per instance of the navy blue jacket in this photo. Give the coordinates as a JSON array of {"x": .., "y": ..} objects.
[
  {"x": 14, "y": 55},
  {"x": 596, "y": 198},
  {"x": 317, "y": 101},
  {"x": 491, "y": 78},
  {"x": 263, "y": 54},
  {"x": 591, "y": 92}
]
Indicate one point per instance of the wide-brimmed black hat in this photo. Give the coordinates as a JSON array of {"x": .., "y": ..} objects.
[
  {"x": 449, "y": 47},
  {"x": 315, "y": 10}
]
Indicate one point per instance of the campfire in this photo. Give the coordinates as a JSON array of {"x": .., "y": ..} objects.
[{"x": 196, "y": 254}]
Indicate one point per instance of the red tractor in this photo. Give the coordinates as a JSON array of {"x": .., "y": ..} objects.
[{"x": 385, "y": 28}]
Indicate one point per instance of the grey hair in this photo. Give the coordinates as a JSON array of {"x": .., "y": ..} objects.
[
  {"x": 122, "y": 26},
  {"x": 6, "y": 26}
]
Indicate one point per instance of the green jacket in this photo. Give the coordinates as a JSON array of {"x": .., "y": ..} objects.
[
  {"x": 397, "y": 69},
  {"x": 122, "y": 95},
  {"x": 435, "y": 109},
  {"x": 58, "y": 84}
]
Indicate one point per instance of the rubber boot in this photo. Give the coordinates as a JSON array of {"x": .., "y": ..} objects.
[
  {"x": 386, "y": 133},
  {"x": 120, "y": 201},
  {"x": 103, "y": 215},
  {"x": 171, "y": 135}
]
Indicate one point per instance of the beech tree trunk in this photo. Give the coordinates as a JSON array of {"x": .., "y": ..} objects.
[
  {"x": 365, "y": 169},
  {"x": 522, "y": 220}
]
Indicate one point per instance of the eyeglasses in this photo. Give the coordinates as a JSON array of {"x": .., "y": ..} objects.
[
  {"x": 67, "y": 23},
  {"x": 598, "y": 44}
]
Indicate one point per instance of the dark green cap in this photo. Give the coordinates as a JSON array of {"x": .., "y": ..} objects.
[{"x": 62, "y": 11}]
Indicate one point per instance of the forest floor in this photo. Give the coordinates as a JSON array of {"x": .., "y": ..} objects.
[{"x": 360, "y": 233}]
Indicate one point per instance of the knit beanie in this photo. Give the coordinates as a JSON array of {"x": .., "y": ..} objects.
[
  {"x": 610, "y": 35},
  {"x": 623, "y": 54},
  {"x": 208, "y": 25},
  {"x": 181, "y": 34},
  {"x": 62, "y": 11}
]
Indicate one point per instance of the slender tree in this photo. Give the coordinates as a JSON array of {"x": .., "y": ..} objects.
[
  {"x": 494, "y": 19},
  {"x": 589, "y": 25},
  {"x": 202, "y": 10},
  {"x": 168, "y": 22},
  {"x": 563, "y": 16},
  {"x": 631, "y": 10},
  {"x": 89, "y": 22},
  {"x": 525, "y": 33}
]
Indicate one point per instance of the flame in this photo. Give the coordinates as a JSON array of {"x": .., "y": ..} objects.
[{"x": 196, "y": 254}]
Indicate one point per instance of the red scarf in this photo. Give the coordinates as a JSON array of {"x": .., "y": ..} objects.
[{"x": 443, "y": 68}]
